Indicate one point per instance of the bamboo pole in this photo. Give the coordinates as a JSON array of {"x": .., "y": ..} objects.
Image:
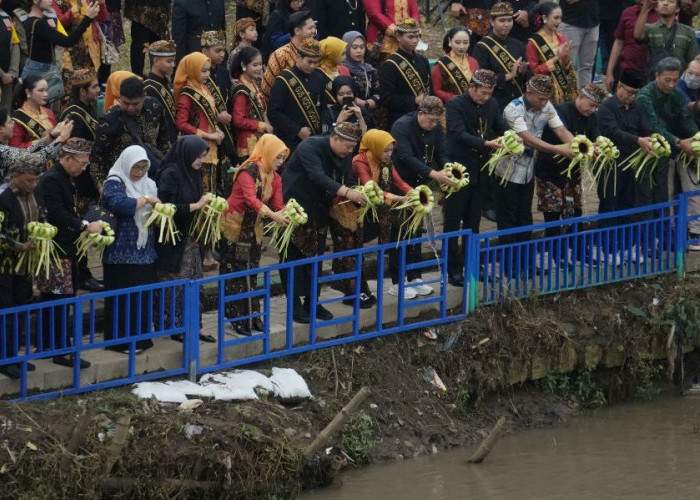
[
  {"x": 77, "y": 437},
  {"x": 488, "y": 443},
  {"x": 325, "y": 435},
  {"x": 118, "y": 441}
]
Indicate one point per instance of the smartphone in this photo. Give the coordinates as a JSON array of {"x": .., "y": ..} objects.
[{"x": 348, "y": 101}]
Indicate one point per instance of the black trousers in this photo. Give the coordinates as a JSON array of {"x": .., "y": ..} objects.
[
  {"x": 303, "y": 274},
  {"x": 123, "y": 276},
  {"x": 14, "y": 291},
  {"x": 140, "y": 35},
  {"x": 513, "y": 204},
  {"x": 462, "y": 210}
]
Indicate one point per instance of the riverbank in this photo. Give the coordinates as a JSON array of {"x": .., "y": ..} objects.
[{"x": 538, "y": 362}]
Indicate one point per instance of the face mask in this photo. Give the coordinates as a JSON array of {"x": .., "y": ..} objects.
[{"x": 693, "y": 82}]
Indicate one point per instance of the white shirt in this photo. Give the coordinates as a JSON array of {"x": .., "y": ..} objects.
[{"x": 522, "y": 117}]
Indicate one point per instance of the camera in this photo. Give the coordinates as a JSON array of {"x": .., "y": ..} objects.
[{"x": 348, "y": 101}]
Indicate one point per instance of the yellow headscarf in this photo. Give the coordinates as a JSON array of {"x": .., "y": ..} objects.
[
  {"x": 113, "y": 83},
  {"x": 188, "y": 72},
  {"x": 332, "y": 50},
  {"x": 375, "y": 141},
  {"x": 266, "y": 150}
]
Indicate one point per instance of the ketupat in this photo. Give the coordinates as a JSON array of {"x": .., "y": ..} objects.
[
  {"x": 686, "y": 160},
  {"x": 583, "y": 153},
  {"x": 375, "y": 198},
  {"x": 605, "y": 163},
  {"x": 420, "y": 202},
  {"x": 459, "y": 174},
  {"x": 44, "y": 253},
  {"x": 162, "y": 214},
  {"x": 97, "y": 241},
  {"x": 206, "y": 227},
  {"x": 280, "y": 236},
  {"x": 642, "y": 163},
  {"x": 511, "y": 146}
]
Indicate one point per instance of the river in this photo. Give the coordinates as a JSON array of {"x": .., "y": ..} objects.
[{"x": 636, "y": 450}]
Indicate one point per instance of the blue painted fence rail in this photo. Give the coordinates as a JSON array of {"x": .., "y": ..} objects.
[{"x": 564, "y": 255}]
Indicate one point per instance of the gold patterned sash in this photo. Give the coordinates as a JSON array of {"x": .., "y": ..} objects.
[
  {"x": 303, "y": 100},
  {"x": 166, "y": 97},
  {"x": 256, "y": 109},
  {"x": 201, "y": 100},
  {"x": 504, "y": 58},
  {"x": 30, "y": 124},
  {"x": 566, "y": 87},
  {"x": 221, "y": 107},
  {"x": 408, "y": 72},
  {"x": 89, "y": 121},
  {"x": 457, "y": 76}
]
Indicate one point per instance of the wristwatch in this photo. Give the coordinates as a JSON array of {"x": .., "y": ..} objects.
[{"x": 84, "y": 224}]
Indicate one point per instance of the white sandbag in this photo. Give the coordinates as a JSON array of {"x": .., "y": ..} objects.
[
  {"x": 160, "y": 390},
  {"x": 289, "y": 385}
]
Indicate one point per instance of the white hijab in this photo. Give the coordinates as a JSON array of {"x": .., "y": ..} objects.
[{"x": 135, "y": 189}]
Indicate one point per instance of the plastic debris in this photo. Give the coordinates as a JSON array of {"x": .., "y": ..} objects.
[
  {"x": 192, "y": 430},
  {"x": 430, "y": 375}
]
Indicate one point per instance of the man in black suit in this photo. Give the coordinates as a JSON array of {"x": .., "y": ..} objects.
[
  {"x": 21, "y": 202},
  {"x": 191, "y": 19},
  {"x": 59, "y": 197}
]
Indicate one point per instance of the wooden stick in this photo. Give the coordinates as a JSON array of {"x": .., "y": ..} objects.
[
  {"x": 118, "y": 441},
  {"x": 324, "y": 436},
  {"x": 118, "y": 484},
  {"x": 77, "y": 437},
  {"x": 488, "y": 443}
]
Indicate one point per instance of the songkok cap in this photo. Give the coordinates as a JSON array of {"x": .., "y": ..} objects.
[
  {"x": 81, "y": 77},
  {"x": 76, "y": 146},
  {"x": 484, "y": 78},
  {"x": 632, "y": 79},
  {"x": 431, "y": 105},
  {"x": 542, "y": 84},
  {"x": 501, "y": 9},
  {"x": 241, "y": 25},
  {"x": 309, "y": 48},
  {"x": 408, "y": 25},
  {"x": 213, "y": 38},
  {"x": 594, "y": 93},
  {"x": 28, "y": 163},
  {"x": 161, "y": 48},
  {"x": 348, "y": 131}
]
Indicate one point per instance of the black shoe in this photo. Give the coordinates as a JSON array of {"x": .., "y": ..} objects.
[
  {"x": 322, "y": 313},
  {"x": 456, "y": 280},
  {"x": 301, "y": 315},
  {"x": 242, "y": 329},
  {"x": 490, "y": 214},
  {"x": 178, "y": 338},
  {"x": 68, "y": 361},
  {"x": 207, "y": 338},
  {"x": 11, "y": 371},
  {"x": 366, "y": 301},
  {"x": 92, "y": 285},
  {"x": 258, "y": 325}
]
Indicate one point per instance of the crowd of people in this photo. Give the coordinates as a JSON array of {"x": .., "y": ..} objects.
[{"x": 306, "y": 102}]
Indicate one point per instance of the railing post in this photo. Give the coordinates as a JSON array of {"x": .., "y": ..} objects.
[
  {"x": 681, "y": 233},
  {"x": 190, "y": 297},
  {"x": 473, "y": 266}
]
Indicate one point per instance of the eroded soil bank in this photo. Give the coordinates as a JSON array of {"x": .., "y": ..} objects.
[{"x": 605, "y": 339}]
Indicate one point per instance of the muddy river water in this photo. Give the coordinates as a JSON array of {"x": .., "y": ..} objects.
[{"x": 637, "y": 450}]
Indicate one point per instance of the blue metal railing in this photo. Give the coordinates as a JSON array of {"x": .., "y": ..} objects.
[{"x": 519, "y": 262}]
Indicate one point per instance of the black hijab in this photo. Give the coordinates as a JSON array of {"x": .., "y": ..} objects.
[{"x": 182, "y": 155}]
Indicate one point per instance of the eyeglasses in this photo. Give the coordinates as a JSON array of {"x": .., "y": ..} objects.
[
  {"x": 82, "y": 163},
  {"x": 139, "y": 169}
]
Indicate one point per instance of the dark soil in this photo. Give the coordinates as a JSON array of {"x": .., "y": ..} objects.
[{"x": 254, "y": 449}]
